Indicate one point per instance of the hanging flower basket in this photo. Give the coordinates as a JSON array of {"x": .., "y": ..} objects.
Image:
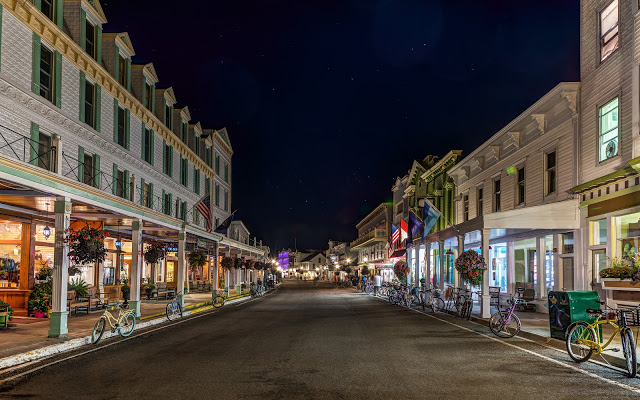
[
  {"x": 197, "y": 259},
  {"x": 155, "y": 252},
  {"x": 86, "y": 246},
  {"x": 401, "y": 269},
  {"x": 226, "y": 263},
  {"x": 471, "y": 266}
]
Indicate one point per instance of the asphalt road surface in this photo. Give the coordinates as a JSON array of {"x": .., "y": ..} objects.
[{"x": 306, "y": 342}]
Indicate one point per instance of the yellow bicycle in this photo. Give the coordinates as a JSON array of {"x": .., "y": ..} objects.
[
  {"x": 124, "y": 324},
  {"x": 583, "y": 341}
]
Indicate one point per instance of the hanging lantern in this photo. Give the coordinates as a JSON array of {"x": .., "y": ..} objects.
[
  {"x": 46, "y": 232},
  {"x": 118, "y": 244},
  {"x": 449, "y": 252}
]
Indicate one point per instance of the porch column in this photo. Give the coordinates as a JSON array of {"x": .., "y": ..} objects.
[
  {"x": 485, "y": 298},
  {"x": 441, "y": 262},
  {"x": 238, "y": 280},
  {"x": 182, "y": 244},
  {"x": 59, "y": 313},
  {"x": 136, "y": 265},
  {"x": 427, "y": 265},
  {"x": 540, "y": 261},
  {"x": 460, "y": 251},
  {"x": 214, "y": 271},
  {"x": 555, "y": 257},
  {"x": 511, "y": 267}
]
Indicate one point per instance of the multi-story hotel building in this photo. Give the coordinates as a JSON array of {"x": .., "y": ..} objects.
[{"x": 89, "y": 137}]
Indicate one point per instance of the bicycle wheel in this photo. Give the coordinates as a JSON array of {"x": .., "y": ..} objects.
[
  {"x": 460, "y": 300},
  {"x": 468, "y": 308},
  {"x": 218, "y": 301},
  {"x": 504, "y": 325},
  {"x": 629, "y": 350},
  {"x": 98, "y": 330},
  {"x": 172, "y": 311},
  {"x": 580, "y": 339},
  {"x": 423, "y": 301},
  {"x": 437, "y": 304},
  {"x": 127, "y": 325}
]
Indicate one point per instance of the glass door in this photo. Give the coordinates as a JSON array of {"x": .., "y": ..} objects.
[
  {"x": 599, "y": 262},
  {"x": 567, "y": 273}
]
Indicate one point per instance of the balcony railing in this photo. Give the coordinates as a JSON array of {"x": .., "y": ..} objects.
[
  {"x": 376, "y": 235},
  {"x": 23, "y": 148}
]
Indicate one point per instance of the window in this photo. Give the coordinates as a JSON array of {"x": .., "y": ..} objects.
[
  {"x": 47, "y": 7},
  {"x": 46, "y": 73},
  {"x": 90, "y": 41},
  {"x": 609, "y": 28},
  {"x": 147, "y": 95},
  {"x": 185, "y": 133},
  {"x": 147, "y": 195},
  {"x": 146, "y": 150},
  {"x": 122, "y": 71},
  {"x": 217, "y": 164},
  {"x": 226, "y": 200},
  {"x": 88, "y": 169},
  {"x": 196, "y": 180},
  {"x": 465, "y": 205},
  {"x": 120, "y": 127},
  {"x": 479, "y": 207},
  {"x": 183, "y": 211},
  {"x": 520, "y": 186},
  {"x": 216, "y": 195},
  {"x": 608, "y": 134},
  {"x": 167, "y": 204},
  {"x": 167, "y": 115},
  {"x": 45, "y": 153},
  {"x": 207, "y": 186},
  {"x": 226, "y": 172},
  {"x": 168, "y": 160},
  {"x": 184, "y": 172},
  {"x": 550, "y": 172},
  {"x": 496, "y": 195},
  {"x": 89, "y": 104},
  {"x": 120, "y": 184}
]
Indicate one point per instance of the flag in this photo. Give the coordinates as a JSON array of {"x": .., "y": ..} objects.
[
  {"x": 204, "y": 207},
  {"x": 224, "y": 226},
  {"x": 414, "y": 227},
  {"x": 395, "y": 234},
  {"x": 404, "y": 229},
  {"x": 430, "y": 216}
]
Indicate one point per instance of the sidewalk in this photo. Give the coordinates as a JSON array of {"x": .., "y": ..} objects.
[{"x": 28, "y": 336}]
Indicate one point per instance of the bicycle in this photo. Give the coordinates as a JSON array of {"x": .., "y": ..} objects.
[
  {"x": 368, "y": 288},
  {"x": 582, "y": 340},
  {"x": 217, "y": 299},
  {"x": 433, "y": 300},
  {"x": 505, "y": 323},
  {"x": 455, "y": 300},
  {"x": 124, "y": 324},
  {"x": 174, "y": 309}
]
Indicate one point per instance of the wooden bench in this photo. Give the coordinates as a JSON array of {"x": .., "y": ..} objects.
[
  {"x": 93, "y": 298},
  {"x": 494, "y": 293},
  {"x": 111, "y": 295},
  {"x": 4, "y": 312},
  {"x": 74, "y": 303},
  {"x": 161, "y": 290}
]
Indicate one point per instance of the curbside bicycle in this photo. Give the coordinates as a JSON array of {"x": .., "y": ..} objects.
[{"x": 124, "y": 324}]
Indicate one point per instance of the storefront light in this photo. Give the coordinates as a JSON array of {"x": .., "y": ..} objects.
[
  {"x": 46, "y": 232},
  {"x": 118, "y": 244}
]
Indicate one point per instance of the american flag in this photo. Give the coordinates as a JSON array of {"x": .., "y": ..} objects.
[
  {"x": 204, "y": 207},
  {"x": 395, "y": 234}
]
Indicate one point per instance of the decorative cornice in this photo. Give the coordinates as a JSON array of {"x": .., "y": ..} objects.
[
  {"x": 479, "y": 161},
  {"x": 32, "y": 18},
  {"x": 540, "y": 121},
  {"x": 572, "y": 100},
  {"x": 515, "y": 138},
  {"x": 495, "y": 151},
  {"x": 466, "y": 171}
]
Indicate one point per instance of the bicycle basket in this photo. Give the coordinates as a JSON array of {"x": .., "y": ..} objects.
[{"x": 632, "y": 314}]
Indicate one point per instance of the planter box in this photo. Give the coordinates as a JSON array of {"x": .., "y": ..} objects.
[{"x": 620, "y": 284}]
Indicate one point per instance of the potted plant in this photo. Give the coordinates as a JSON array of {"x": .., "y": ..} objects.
[
  {"x": 471, "y": 266},
  {"x": 401, "y": 269},
  {"x": 79, "y": 286},
  {"x": 40, "y": 305},
  {"x": 622, "y": 274},
  {"x": 125, "y": 289},
  {"x": 3, "y": 306},
  {"x": 86, "y": 246},
  {"x": 149, "y": 287}
]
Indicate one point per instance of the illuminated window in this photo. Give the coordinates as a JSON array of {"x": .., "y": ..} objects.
[
  {"x": 609, "y": 28},
  {"x": 608, "y": 134}
]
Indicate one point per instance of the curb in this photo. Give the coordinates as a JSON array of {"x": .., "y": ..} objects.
[{"x": 72, "y": 344}]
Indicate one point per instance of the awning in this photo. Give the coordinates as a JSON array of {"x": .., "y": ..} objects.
[{"x": 399, "y": 253}]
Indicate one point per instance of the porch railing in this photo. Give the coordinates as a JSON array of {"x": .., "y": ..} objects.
[{"x": 23, "y": 148}]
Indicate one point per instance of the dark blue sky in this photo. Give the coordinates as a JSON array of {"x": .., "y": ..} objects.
[{"x": 326, "y": 102}]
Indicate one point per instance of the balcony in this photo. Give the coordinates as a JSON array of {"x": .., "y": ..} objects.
[{"x": 375, "y": 236}]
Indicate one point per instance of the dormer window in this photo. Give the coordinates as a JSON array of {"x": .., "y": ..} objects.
[
  {"x": 90, "y": 41},
  {"x": 122, "y": 71},
  {"x": 47, "y": 8},
  {"x": 147, "y": 95},
  {"x": 168, "y": 112}
]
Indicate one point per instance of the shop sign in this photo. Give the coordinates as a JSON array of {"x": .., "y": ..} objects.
[{"x": 202, "y": 243}]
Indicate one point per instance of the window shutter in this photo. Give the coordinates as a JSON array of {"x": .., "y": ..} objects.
[
  {"x": 58, "y": 79},
  {"x": 153, "y": 98},
  {"x": 143, "y": 142},
  {"x": 116, "y": 75},
  {"x": 126, "y": 185},
  {"x": 127, "y": 116},
  {"x": 144, "y": 92},
  {"x": 128, "y": 74},
  {"x": 35, "y": 76},
  {"x": 141, "y": 191},
  {"x": 83, "y": 79},
  {"x": 99, "y": 44},
  {"x": 151, "y": 195},
  {"x": 98, "y": 108},
  {"x": 170, "y": 204},
  {"x": 35, "y": 137},
  {"x": 96, "y": 170},
  {"x": 153, "y": 146},
  {"x": 80, "y": 164},
  {"x": 170, "y": 161},
  {"x": 164, "y": 203},
  {"x": 83, "y": 29},
  {"x": 60, "y": 13},
  {"x": 115, "y": 120},
  {"x": 114, "y": 185}
]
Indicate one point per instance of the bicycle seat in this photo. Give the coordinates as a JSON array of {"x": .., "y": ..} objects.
[{"x": 593, "y": 311}]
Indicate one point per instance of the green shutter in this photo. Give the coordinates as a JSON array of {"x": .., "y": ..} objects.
[
  {"x": 143, "y": 142},
  {"x": 127, "y": 116},
  {"x": 83, "y": 79},
  {"x": 35, "y": 76},
  {"x": 80, "y": 164},
  {"x": 141, "y": 191},
  {"x": 58, "y": 79},
  {"x": 151, "y": 195},
  {"x": 98, "y": 107},
  {"x": 144, "y": 92},
  {"x": 114, "y": 187},
  {"x": 126, "y": 185},
  {"x": 116, "y": 75},
  {"x": 33, "y": 147},
  {"x": 170, "y": 204},
  {"x": 128, "y": 74},
  {"x": 38, "y": 4},
  {"x": 99, "y": 44},
  {"x": 153, "y": 98},
  {"x": 170, "y": 161},
  {"x": 83, "y": 29},
  {"x": 115, "y": 120},
  {"x": 59, "y": 13},
  {"x": 96, "y": 170},
  {"x": 153, "y": 146},
  {"x": 164, "y": 205}
]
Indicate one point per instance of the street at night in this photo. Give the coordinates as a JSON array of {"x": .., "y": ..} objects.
[{"x": 316, "y": 342}]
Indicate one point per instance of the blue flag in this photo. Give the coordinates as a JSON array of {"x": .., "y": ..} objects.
[
  {"x": 430, "y": 215},
  {"x": 224, "y": 226},
  {"x": 414, "y": 227}
]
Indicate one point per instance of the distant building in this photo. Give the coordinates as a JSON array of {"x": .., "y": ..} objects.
[{"x": 372, "y": 244}]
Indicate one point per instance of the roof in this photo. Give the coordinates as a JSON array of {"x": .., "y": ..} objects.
[
  {"x": 123, "y": 38},
  {"x": 310, "y": 257}
]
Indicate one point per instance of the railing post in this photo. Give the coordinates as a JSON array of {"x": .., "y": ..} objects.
[{"x": 57, "y": 143}]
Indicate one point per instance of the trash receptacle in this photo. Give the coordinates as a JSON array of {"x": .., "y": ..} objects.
[{"x": 566, "y": 308}]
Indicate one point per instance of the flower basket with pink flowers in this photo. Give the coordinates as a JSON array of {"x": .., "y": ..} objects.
[{"x": 471, "y": 266}]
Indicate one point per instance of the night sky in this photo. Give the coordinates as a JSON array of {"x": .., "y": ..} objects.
[{"x": 327, "y": 102}]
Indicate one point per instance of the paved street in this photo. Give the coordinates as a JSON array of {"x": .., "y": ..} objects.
[{"x": 317, "y": 342}]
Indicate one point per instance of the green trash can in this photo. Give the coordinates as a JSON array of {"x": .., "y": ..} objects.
[{"x": 566, "y": 308}]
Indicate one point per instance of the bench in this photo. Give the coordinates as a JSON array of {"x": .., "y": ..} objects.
[
  {"x": 74, "y": 303},
  {"x": 93, "y": 298},
  {"x": 111, "y": 295},
  {"x": 494, "y": 293},
  {"x": 161, "y": 290},
  {"x": 4, "y": 312}
]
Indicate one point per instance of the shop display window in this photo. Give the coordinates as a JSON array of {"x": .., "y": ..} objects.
[
  {"x": 567, "y": 243},
  {"x": 627, "y": 236},
  {"x": 10, "y": 248},
  {"x": 170, "y": 271},
  {"x": 599, "y": 232},
  {"x": 498, "y": 266}
]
